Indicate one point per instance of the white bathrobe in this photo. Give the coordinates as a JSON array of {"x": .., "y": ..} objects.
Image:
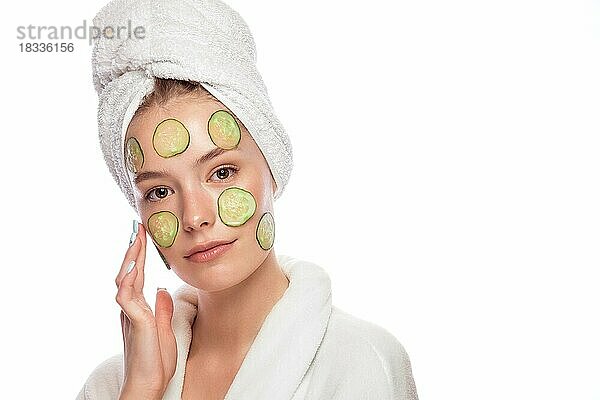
[{"x": 306, "y": 349}]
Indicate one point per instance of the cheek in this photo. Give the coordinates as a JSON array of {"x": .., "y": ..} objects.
[
  {"x": 236, "y": 206},
  {"x": 163, "y": 226},
  {"x": 265, "y": 231}
]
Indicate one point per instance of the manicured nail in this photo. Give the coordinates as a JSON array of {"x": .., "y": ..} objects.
[
  {"x": 131, "y": 265},
  {"x": 132, "y": 238},
  {"x": 135, "y": 232}
]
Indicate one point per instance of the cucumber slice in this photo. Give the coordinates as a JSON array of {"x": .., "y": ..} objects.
[
  {"x": 134, "y": 156},
  {"x": 236, "y": 206},
  {"x": 224, "y": 130},
  {"x": 265, "y": 231},
  {"x": 170, "y": 138},
  {"x": 163, "y": 226}
]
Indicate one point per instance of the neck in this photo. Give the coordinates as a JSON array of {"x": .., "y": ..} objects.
[{"x": 228, "y": 321}]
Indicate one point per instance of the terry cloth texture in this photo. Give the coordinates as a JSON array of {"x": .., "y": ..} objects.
[
  {"x": 201, "y": 41},
  {"x": 306, "y": 349}
]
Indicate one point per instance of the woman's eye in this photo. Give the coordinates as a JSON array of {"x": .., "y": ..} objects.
[
  {"x": 224, "y": 173},
  {"x": 159, "y": 193}
]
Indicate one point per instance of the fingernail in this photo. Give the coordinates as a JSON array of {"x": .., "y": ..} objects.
[
  {"x": 160, "y": 288},
  {"x": 135, "y": 232},
  {"x": 131, "y": 265},
  {"x": 132, "y": 239}
]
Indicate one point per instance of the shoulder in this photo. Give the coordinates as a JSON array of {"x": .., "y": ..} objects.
[
  {"x": 367, "y": 355},
  {"x": 348, "y": 329},
  {"x": 105, "y": 380}
]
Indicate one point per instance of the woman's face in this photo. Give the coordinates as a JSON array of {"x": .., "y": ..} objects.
[{"x": 197, "y": 181}]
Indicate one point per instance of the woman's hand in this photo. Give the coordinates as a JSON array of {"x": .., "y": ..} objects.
[{"x": 149, "y": 341}]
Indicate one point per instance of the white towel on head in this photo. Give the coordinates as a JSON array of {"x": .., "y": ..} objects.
[{"x": 203, "y": 41}]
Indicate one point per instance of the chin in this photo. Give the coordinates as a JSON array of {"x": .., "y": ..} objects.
[{"x": 218, "y": 275}]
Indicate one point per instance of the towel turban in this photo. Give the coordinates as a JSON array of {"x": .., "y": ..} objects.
[{"x": 202, "y": 41}]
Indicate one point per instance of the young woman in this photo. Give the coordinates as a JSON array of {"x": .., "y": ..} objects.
[{"x": 201, "y": 157}]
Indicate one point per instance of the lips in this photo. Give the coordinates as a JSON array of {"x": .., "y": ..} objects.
[
  {"x": 202, "y": 247},
  {"x": 202, "y": 257}
]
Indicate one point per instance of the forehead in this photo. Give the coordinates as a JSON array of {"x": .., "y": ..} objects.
[{"x": 194, "y": 115}]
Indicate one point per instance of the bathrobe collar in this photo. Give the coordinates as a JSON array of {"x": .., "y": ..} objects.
[{"x": 285, "y": 344}]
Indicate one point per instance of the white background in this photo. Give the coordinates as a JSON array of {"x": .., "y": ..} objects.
[{"x": 446, "y": 176}]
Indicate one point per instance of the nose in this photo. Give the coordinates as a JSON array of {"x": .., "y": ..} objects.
[{"x": 198, "y": 209}]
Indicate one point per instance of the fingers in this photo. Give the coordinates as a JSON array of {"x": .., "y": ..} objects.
[
  {"x": 137, "y": 252},
  {"x": 131, "y": 254},
  {"x": 166, "y": 336},
  {"x": 163, "y": 308},
  {"x": 130, "y": 283},
  {"x": 140, "y": 261},
  {"x": 134, "y": 305}
]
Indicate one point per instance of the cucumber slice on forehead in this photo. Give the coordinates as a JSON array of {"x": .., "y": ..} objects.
[
  {"x": 163, "y": 227},
  {"x": 265, "y": 231},
  {"x": 134, "y": 156},
  {"x": 224, "y": 130},
  {"x": 170, "y": 138},
  {"x": 236, "y": 206}
]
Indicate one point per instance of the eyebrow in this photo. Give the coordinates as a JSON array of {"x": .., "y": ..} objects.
[{"x": 163, "y": 173}]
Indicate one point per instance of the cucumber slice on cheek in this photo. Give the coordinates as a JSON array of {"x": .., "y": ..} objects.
[
  {"x": 170, "y": 138},
  {"x": 163, "y": 226},
  {"x": 236, "y": 206},
  {"x": 134, "y": 156},
  {"x": 224, "y": 130},
  {"x": 265, "y": 231}
]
